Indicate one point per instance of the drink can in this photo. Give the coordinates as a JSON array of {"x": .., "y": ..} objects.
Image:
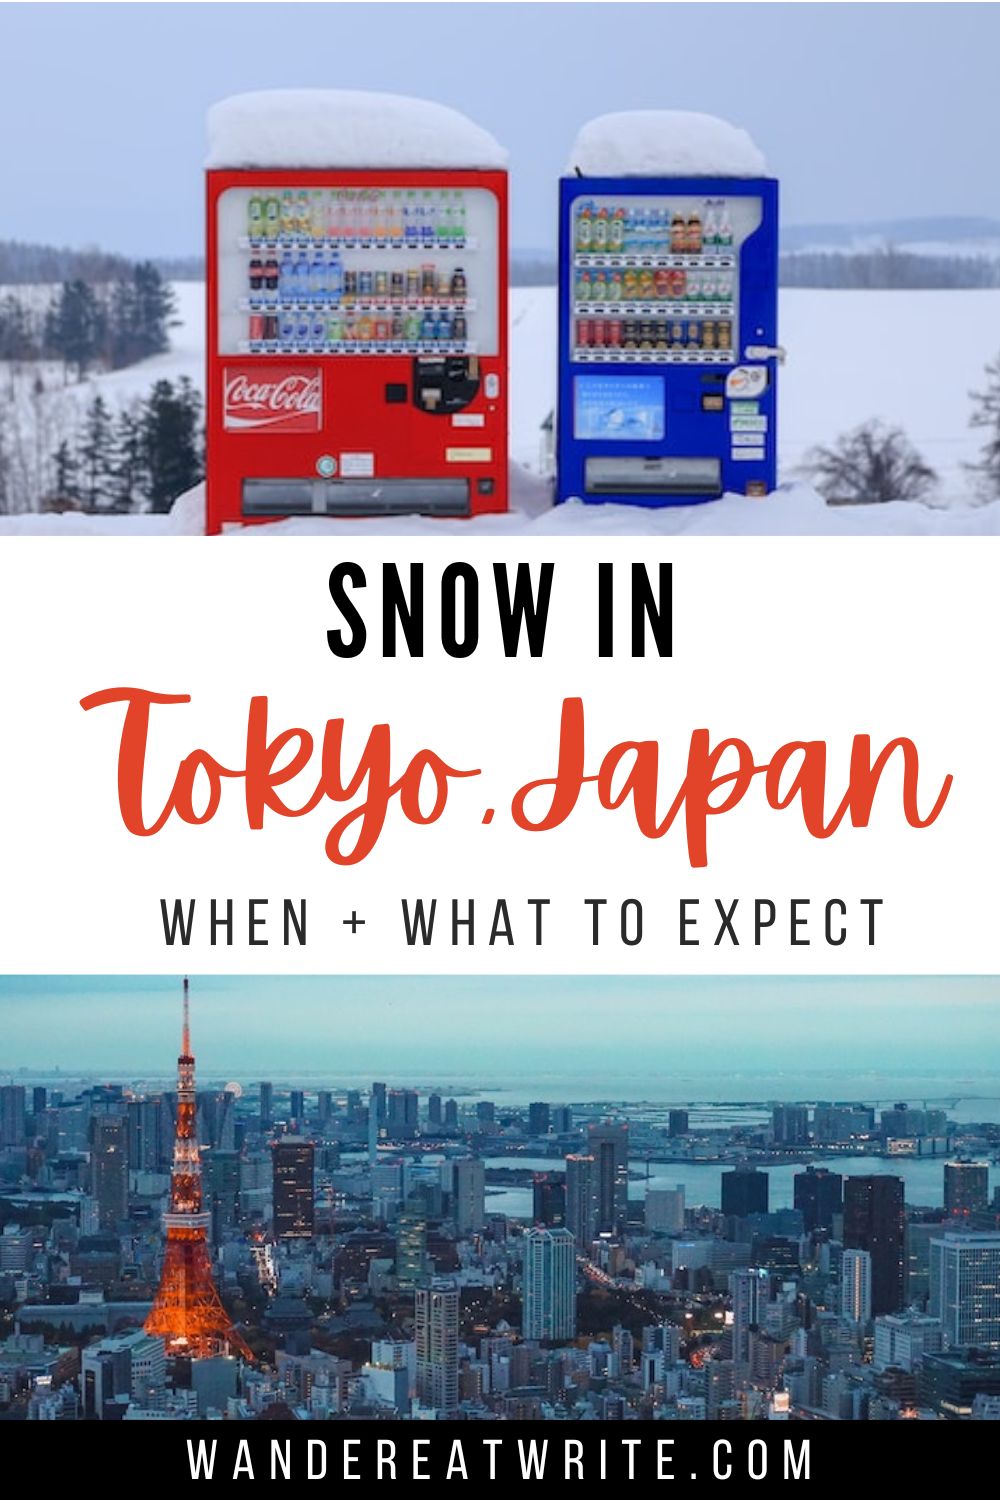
[
  {"x": 458, "y": 328},
  {"x": 676, "y": 335},
  {"x": 724, "y": 334},
  {"x": 443, "y": 284},
  {"x": 382, "y": 327},
  {"x": 599, "y": 333},
  {"x": 350, "y": 284},
  {"x": 662, "y": 334},
  {"x": 398, "y": 327},
  {"x": 459, "y": 284},
  {"x": 256, "y": 327},
  {"x": 708, "y": 335},
  {"x": 381, "y": 283},
  {"x": 428, "y": 281},
  {"x": 614, "y": 333},
  {"x": 365, "y": 283},
  {"x": 412, "y": 327},
  {"x": 334, "y": 330},
  {"x": 694, "y": 335},
  {"x": 397, "y": 285},
  {"x": 582, "y": 333},
  {"x": 413, "y": 283}
]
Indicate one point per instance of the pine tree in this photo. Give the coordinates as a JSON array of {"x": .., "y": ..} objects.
[
  {"x": 155, "y": 309},
  {"x": 65, "y": 484},
  {"x": 172, "y": 441},
  {"x": 75, "y": 326},
  {"x": 128, "y": 486},
  {"x": 95, "y": 454},
  {"x": 986, "y": 414}
]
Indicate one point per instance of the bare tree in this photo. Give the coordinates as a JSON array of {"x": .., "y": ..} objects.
[
  {"x": 986, "y": 414},
  {"x": 870, "y": 465}
]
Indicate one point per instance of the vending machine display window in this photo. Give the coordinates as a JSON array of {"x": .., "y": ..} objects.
[
  {"x": 656, "y": 280},
  {"x": 360, "y": 271}
]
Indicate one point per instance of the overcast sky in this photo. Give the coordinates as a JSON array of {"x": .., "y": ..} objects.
[
  {"x": 482, "y": 1029},
  {"x": 865, "y": 111}
]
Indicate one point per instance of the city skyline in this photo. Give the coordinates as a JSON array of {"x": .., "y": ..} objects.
[
  {"x": 132, "y": 120},
  {"x": 496, "y": 1031}
]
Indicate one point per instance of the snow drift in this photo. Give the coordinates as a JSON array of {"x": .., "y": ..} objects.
[
  {"x": 664, "y": 143},
  {"x": 345, "y": 128}
]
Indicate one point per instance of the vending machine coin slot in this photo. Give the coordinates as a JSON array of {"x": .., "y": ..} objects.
[{"x": 444, "y": 386}]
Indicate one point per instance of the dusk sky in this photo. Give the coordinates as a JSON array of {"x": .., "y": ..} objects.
[
  {"x": 865, "y": 112},
  {"x": 484, "y": 1028}
]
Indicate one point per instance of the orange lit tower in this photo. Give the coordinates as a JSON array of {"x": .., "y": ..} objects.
[{"x": 188, "y": 1312}]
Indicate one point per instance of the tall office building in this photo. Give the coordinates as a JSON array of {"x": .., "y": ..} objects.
[
  {"x": 412, "y": 1268},
  {"x": 665, "y": 1210},
  {"x": 965, "y": 1289},
  {"x": 486, "y": 1115},
  {"x": 549, "y": 1284},
  {"x": 790, "y": 1124},
  {"x": 402, "y": 1113},
  {"x": 12, "y": 1114},
  {"x": 539, "y": 1119},
  {"x": 436, "y": 1312},
  {"x": 39, "y": 1097},
  {"x": 293, "y": 1188},
  {"x": 469, "y": 1195},
  {"x": 149, "y": 1129},
  {"x": 266, "y": 1106},
  {"x": 561, "y": 1119},
  {"x": 451, "y": 1114},
  {"x": 818, "y": 1195},
  {"x": 902, "y": 1340},
  {"x": 548, "y": 1203},
  {"x": 856, "y": 1286},
  {"x": 607, "y": 1143},
  {"x": 324, "y": 1107},
  {"x": 875, "y": 1220},
  {"x": 581, "y": 1200},
  {"x": 744, "y": 1192},
  {"x": 677, "y": 1122},
  {"x": 434, "y": 1115},
  {"x": 750, "y": 1291},
  {"x": 966, "y": 1188},
  {"x": 221, "y": 1181},
  {"x": 109, "y": 1168},
  {"x": 376, "y": 1119},
  {"x": 297, "y": 1105}
]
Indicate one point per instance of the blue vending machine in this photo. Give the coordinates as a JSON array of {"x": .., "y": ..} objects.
[{"x": 668, "y": 305}]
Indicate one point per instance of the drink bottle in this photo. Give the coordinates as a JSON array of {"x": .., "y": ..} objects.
[
  {"x": 256, "y": 274},
  {"x": 317, "y": 214},
  {"x": 428, "y": 325},
  {"x": 272, "y": 217},
  {"x": 334, "y": 277},
  {"x": 287, "y": 212},
  {"x": 411, "y": 228},
  {"x": 270, "y": 277},
  {"x": 584, "y": 227},
  {"x": 601, "y": 230},
  {"x": 286, "y": 278},
  {"x": 428, "y": 221},
  {"x": 616, "y": 234},
  {"x": 255, "y": 217},
  {"x": 302, "y": 213},
  {"x": 458, "y": 228},
  {"x": 286, "y": 327},
  {"x": 317, "y": 274},
  {"x": 302, "y": 280}
]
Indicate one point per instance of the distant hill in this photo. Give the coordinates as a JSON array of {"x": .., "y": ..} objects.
[{"x": 962, "y": 235}]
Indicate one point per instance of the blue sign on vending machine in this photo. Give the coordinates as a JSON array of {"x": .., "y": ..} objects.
[{"x": 668, "y": 308}]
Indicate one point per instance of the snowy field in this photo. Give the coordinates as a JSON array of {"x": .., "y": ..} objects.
[{"x": 908, "y": 357}]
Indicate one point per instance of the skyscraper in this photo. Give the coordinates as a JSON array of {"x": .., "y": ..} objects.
[
  {"x": 12, "y": 1112},
  {"x": 293, "y": 1167},
  {"x": 434, "y": 1109},
  {"x": 665, "y": 1210},
  {"x": 856, "y": 1286},
  {"x": 469, "y": 1195},
  {"x": 411, "y": 1244},
  {"x": 109, "y": 1169},
  {"x": 966, "y": 1188},
  {"x": 790, "y": 1124},
  {"x": 402, "y": 1113},
  {"x": 818, "y": 1195},
  {"x": 39, "y": 1099},
  {"x": 581, "y": 1200},
  {"x": 451, "y": 1114},
  {"x": 297, "y": 1105},
  {"x": 744, "y": 1192},
  {"x": 607, "y": 1143},
  {"x": 965, "y": 1289},
  {"x": 549, "y": 1284},
  {"x": 266, "y": 1105},
  {"x": 538, "y": 1119},
  {"x": 324, "y": 1106},
  {"x": 677, "y": 1122},
  {"x": 436, "y": 1312},
  {"x": 750, "y": 1291},
  {"x": 548, "y": 1201},
  {"x": 875, "y": 1220}
]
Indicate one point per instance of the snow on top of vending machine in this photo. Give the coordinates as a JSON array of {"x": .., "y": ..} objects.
[
  {"x": 320, "y": 128},
  {"x": 664, "y": 143}
]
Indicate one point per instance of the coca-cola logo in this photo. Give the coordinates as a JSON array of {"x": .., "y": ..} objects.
[{"x": 279, "y": 399}]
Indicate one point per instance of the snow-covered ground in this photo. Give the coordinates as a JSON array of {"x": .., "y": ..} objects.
[{"x": 908, "y": 357}]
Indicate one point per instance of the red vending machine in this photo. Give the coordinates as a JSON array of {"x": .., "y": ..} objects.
[{"x": 357, "y": 342}]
